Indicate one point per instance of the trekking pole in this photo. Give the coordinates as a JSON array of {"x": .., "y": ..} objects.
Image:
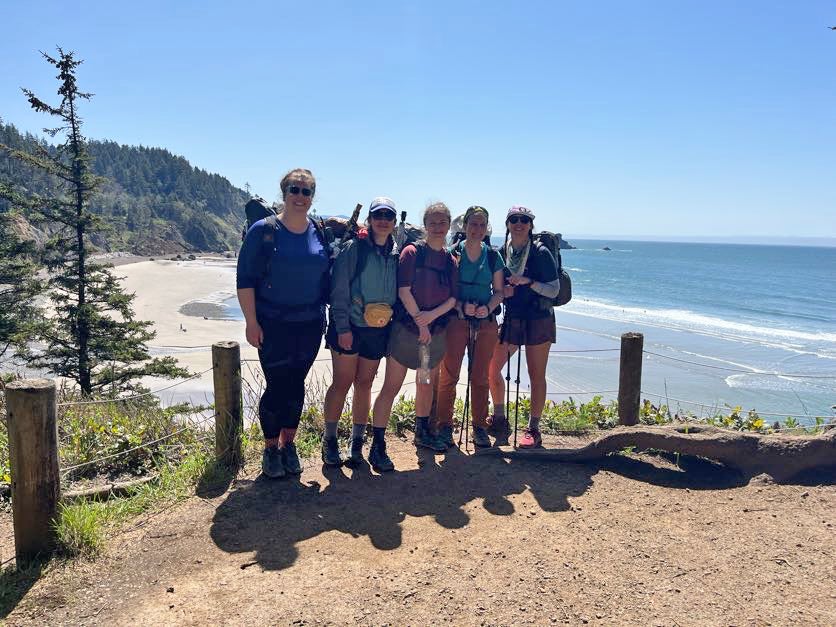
[
  {"x": 472, "y": 332},
  {"x": 508, "y": 389},
  {"x": 517, "y": 397}
]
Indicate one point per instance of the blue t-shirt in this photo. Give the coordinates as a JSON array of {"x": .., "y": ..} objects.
[{"x": 296, "y": 286}]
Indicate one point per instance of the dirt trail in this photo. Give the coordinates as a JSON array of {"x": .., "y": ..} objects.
[{"x": 467, "y": 541}]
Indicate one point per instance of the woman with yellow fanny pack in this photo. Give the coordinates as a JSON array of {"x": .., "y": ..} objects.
[{"x": 363, "y": 291}]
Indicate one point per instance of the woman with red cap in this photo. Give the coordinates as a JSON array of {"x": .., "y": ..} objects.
[{"x": 528, "y": 321}]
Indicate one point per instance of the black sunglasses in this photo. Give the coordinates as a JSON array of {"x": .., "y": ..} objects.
[
  {"x": 383, "y": 214},
  {"x": 295, "y": 189},
  {"x": 520, "y": 219}
]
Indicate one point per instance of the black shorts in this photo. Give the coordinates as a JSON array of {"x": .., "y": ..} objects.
[
  {"x": 369, "y": 342},
  {"x": 521, "y": 332}
]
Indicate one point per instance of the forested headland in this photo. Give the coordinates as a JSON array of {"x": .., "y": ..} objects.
[{"x": 154, "y": 202}]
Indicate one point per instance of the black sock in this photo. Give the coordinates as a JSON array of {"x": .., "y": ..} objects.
[
  {"x": 378, "y": 434},
  {"x": 422, "y": 422}
]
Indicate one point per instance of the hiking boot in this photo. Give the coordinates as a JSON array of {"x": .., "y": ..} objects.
[
  {"x": 291, "y": 459},
  {"x": 531, "y": 439},
  {"x": 424, "y": 438},
  {"x": 445, "y": 436},
  {"x": 354, "y": 458},
  {"x": 331, "y": 453},
  {"x": 378, "y": 458},
  {"x": 480, "y": 438},
  {"x": 271, "y": 463},
  {"x": 499, "y": 428}
]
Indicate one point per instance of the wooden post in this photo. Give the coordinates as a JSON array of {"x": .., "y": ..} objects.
[
  {"x": 229, "y": 422},
  {"x": 31, "y": 411},
  {"x": 630, "y": 378}
]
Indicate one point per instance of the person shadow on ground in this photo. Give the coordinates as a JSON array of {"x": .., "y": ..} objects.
[{"x": 271, "y": 518}]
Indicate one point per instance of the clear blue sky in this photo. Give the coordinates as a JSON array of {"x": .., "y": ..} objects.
[{"x": 622, "y": 118}]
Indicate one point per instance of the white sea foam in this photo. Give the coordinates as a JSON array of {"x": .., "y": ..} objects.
[{"x": 819, "y": 343}]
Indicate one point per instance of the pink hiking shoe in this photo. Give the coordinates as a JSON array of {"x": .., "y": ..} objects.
[{"x": 531, "y": 439}]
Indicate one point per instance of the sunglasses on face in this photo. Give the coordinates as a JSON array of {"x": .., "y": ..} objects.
[
  {"x": 520, "y": 219},
  {"x": 295, "y": 190},
  {"x": 387, "y": 215}
]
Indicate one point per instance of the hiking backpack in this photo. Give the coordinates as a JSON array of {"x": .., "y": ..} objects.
[
  {"x": 256, "y": 209},
  {"x": 551, "y": 242}
]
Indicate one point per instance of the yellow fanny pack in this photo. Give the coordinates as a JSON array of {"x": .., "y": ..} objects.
[{"x": 377, "y": 315}]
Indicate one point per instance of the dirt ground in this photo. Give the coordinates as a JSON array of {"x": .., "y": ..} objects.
[{"x": 466, "y": 541}]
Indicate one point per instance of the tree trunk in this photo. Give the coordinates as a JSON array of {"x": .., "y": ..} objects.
[{"x": 782, "y": 457}]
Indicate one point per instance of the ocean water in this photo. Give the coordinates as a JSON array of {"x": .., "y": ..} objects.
[
  {"x": 727, "y": 323},
  {"x": 724, "y": 325}
]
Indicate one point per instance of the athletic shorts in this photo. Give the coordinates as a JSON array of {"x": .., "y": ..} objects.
[
  {"x": 521, "y": 332},
  {"x": 369, "y": 342}
]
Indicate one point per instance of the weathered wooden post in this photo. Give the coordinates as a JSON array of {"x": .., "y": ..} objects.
[
  {"x": 229, "y": 422},
  {"x": 630, "y": 378},
  {"x": 31, "y": 414}
]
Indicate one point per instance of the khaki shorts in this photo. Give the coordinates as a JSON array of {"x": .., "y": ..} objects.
[{"x": 403, "y": 346}]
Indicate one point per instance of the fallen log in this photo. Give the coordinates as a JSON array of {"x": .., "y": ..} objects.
[
  {"x": 110, "y": 490},
  {"x": 780, "y": 456}
]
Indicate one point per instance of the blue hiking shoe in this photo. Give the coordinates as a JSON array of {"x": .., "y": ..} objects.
[
  {"x": 331, "y": 453},
  {"x": 378, "y": 457},
  {"x": 354, "y": 458},
  {"x": 290, "y": 458},
  {"x": 480, "y": 438},
  {"x": 271, "y": 463},
  {"x": 445, "y": 436},
  {"x": 424, "y": 438}
]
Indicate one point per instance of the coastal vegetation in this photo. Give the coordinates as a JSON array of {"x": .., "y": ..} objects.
[{"x": 151, "y": 201}]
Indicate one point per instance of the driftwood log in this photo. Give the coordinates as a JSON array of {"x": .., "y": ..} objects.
[
  {"x": 110, "y": 490},
  {"x": 780, "y": 456}
]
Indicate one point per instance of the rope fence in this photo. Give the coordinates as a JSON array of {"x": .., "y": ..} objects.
[
  {"x": 122, "y": 399},
  {"x": 789, "y": 375}
]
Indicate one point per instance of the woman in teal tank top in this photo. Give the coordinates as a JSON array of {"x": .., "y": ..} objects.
[{"x": 481, "y": 280}]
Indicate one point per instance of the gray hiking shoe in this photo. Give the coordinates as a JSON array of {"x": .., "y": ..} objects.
[
  {"x": 499, "y": 428},
  {"x": 354, "y": 459},
  {"x": 331, "y": 452},
  {"x": 445, "y": 435},
  {"x": 378, "y": 457},
  {"x": 424, "y": 438},
  {"x": 290, "y": 458},
  {"x": 480, "y": 437},
  {"x": 271, "y": 463}
]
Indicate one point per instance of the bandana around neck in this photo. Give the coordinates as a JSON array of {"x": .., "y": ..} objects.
[{"x": 516, "y": 260}]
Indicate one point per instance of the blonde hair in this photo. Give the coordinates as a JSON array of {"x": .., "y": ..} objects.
[
  {"x": 297, "y": 173},
  {"x": 437, "y": 208}
]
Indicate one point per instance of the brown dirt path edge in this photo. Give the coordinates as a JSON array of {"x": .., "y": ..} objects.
[{"x": 467, "y": 541}]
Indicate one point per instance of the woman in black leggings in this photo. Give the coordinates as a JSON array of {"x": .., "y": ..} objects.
[{"x": 282, "y": 285}]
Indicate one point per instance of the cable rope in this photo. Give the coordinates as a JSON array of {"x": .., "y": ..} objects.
[
  {"x": 131, "y": 398},
  {"x": 67, "y": 470},
  {"x": 754, "y": 372},
  {"x": 714, "y": 404}
]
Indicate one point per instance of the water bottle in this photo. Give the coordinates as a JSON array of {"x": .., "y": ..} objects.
[{"x": 424, "y": 364}]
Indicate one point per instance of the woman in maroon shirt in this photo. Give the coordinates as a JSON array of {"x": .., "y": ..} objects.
[{"x": 427, "y": 285}]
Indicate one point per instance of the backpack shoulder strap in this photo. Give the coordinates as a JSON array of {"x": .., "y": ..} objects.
[
  {"x": 494, "y": 260},
  {"x": 420, "y": 253},
  {"x": 268, "y": 238},
  {"x": 363, "y": 252}
]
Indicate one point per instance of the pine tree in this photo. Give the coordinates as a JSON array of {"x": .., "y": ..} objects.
[{"x": 92, "y": 336}]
